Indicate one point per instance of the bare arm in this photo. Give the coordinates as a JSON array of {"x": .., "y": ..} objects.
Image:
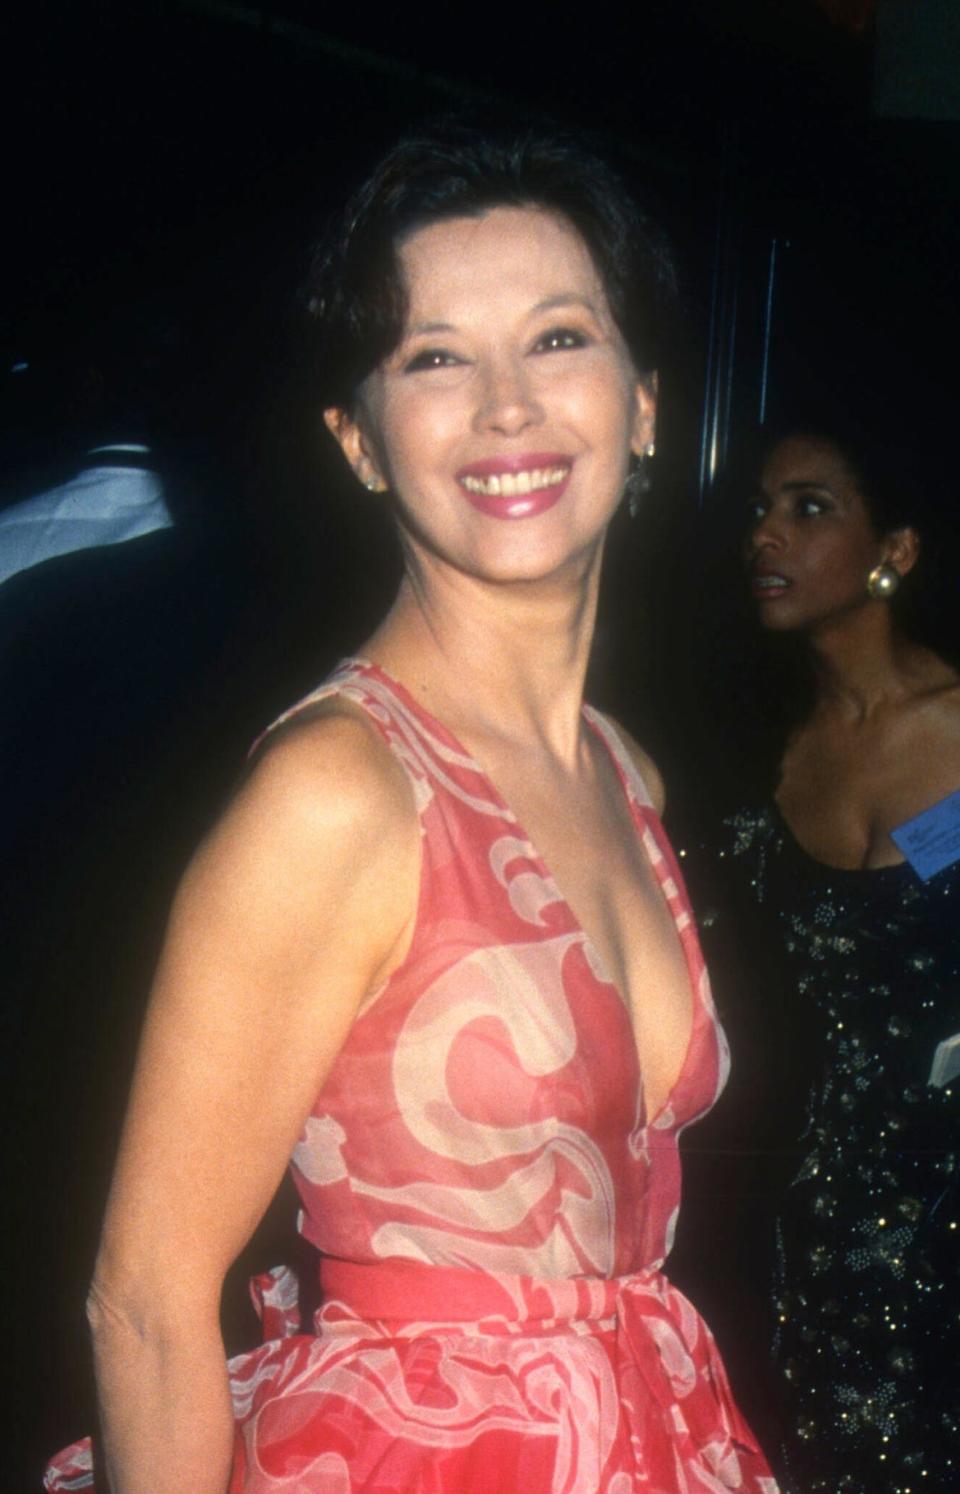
[{"x": 298, "y": 906}]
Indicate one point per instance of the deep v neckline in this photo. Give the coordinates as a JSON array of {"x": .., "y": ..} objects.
[{"x": 644, "y": 819}]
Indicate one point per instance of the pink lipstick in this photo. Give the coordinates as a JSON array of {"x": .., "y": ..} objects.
[{"x": 516, "y": 487}]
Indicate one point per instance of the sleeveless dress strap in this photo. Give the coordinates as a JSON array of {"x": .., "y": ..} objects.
[
  {"x": 623, "y": 758},
  {"x": 345, "y": 680}
]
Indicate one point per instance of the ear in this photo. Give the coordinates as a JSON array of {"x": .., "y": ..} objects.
[
  {"x": 902, "y": 549},
  {"x": 644, "y": 432},
  {"x": 348, "y": 433}
]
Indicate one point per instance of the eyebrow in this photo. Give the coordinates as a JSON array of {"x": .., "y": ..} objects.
[
  {"x": 423, "y": 328},
  {"x": 550, "y": 303},
  {"x": 803, "y": 484},
  {"x": 554, "y": 302}
]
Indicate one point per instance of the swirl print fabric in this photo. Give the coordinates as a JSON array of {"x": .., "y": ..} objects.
[{"x": 491, "y": 1202}]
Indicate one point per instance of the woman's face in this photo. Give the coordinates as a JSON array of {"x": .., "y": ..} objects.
[
  {"x": 812, "y": 543},
  {"x": 504, "y": 420}
]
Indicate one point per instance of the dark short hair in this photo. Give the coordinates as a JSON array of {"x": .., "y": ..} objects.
[
  {"x": 896, "y": 473},
  {"x": 355, "y": 293},
  {"x": 888, "y": 473}
]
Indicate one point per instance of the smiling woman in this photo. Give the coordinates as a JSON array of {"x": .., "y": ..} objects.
[
  {"x": 510, "y": 389},
  {"x": 438, "y": 955}
]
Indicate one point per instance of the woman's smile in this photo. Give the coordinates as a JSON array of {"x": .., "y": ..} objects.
[
  {"x": 511, "y": 397},
  {"x": 516, "y": 487}
]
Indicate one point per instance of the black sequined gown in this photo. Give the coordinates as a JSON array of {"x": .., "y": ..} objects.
[{"x": 867, "y": 1277}]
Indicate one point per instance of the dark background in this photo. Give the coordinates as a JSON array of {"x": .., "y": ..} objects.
[{"x": 166, "y": 166}]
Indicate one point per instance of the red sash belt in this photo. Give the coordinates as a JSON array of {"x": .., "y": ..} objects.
[{"x": 658, "y": 1337}]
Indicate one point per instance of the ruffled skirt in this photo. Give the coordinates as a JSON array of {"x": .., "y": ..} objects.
[{"x": 429, "y": 1380}]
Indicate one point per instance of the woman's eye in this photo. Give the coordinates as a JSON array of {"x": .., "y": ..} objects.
[
  {"x": 559, "y": 340},
  {"x": 756, "y": 511},
  {"x": 810, "y": 508},
  {"x": 429, "y": 358}
]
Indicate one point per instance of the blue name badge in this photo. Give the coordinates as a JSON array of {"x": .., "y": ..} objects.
[{"x": 931, "y": 840}]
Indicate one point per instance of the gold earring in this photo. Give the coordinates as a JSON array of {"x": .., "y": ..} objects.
[{"x": 883, "y": 581}]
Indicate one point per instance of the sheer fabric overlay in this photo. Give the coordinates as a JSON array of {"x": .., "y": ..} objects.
[{"x": 492, "y": 1204}]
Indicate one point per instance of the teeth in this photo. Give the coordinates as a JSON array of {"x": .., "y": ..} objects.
[
  {"x": 514, "y": 484},
  {"x": 770, "y": 583}
]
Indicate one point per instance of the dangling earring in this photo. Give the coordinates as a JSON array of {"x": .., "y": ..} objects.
[
  {"x": 639, "y": 480},
  {"x": 883, "y": 581}
]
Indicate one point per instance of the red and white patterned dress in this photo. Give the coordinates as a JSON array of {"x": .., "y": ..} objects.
[{"x": 492, "y": 1203}]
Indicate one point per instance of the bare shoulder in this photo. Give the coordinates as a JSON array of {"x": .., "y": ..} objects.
[
  {"x": 645, "y": 766},
  {"x": 325, "y": 770},
  {"x": 325, "y": 811},
  {"x": 299, "y": 905},
  {"x": 942, "y": 707},
  {"x": 928, "y": 729}
]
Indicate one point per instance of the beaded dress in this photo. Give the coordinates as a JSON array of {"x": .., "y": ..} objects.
[{"x": 867, "y": 1275}]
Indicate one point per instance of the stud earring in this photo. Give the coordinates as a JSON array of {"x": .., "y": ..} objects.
[{"x": 883, "y": 581}]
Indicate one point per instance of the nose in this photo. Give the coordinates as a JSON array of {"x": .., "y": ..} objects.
[
  {"x": 766, "y": 534},
  {"x": 507, "y": 404}
]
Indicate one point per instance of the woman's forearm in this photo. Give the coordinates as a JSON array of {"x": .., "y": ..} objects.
[{"x": 164, "y": 1403}]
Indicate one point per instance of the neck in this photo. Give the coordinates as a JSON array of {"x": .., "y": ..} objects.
[
  {"x": 862, "y": 661},
  {"x": 495, "y": 662}
]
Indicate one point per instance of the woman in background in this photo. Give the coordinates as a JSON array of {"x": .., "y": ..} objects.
[
  {"x": 866, "y": 1305},
  {"x": 438, "y": 949}
]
